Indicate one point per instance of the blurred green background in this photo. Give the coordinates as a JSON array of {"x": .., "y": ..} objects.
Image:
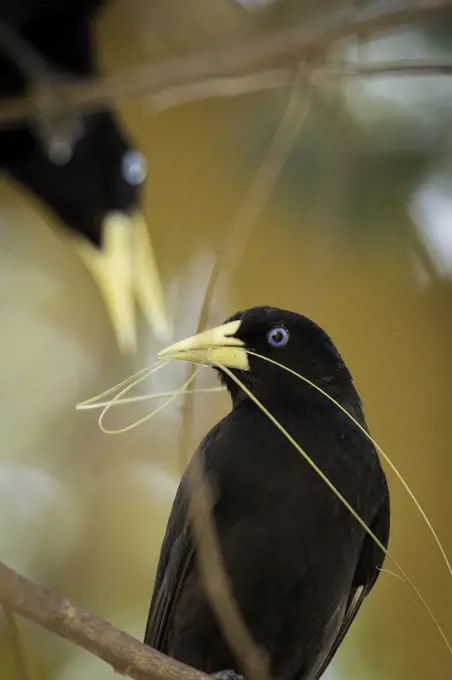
[{"x": 357, "y": 235}]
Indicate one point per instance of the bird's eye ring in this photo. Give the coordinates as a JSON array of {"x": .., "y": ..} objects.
[
  {"x": 278, "y": 336},
  {"x": 134, "y": 168}
]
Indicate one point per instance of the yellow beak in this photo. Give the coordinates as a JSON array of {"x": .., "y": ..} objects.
[
  {"x": 215, "y": 346},
  {"x": 126, "y": 273}
]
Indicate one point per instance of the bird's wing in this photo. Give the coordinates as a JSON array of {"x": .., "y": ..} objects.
[
  {"x": 354, "y": 603},
  {"x": 175, "y": 559},
  {"x": 366, "y": 574}
]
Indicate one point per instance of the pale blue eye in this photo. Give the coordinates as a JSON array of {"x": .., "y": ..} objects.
[
  {"x": 134, "y": 168},
  {"x": 277, "y": 337}
]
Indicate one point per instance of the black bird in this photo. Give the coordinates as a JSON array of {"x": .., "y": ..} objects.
[
  {"x": 83, "y": 168},
  {"x": 299, "y": 563}
]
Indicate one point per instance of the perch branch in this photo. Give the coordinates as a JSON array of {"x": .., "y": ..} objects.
[
  {"x": 290, "y": 44},
  {"x": 123, "y": 652}
]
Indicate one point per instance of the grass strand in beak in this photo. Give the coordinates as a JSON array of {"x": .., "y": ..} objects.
[
  {"x": 146, "y": 397},
  {"x": 82, "y": 405},
  {"x": 148, "y": 416},
  {"x": 153, "y": 369}
]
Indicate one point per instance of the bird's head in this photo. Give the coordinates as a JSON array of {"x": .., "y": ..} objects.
[
  {"x": 285, "y": 337},
  {"x": 100, "y": 178},
  {"x": 95, "y": 194}
]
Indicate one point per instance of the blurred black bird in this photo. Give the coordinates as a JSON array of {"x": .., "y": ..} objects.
[
  {"x": 81, "y": 166},
  {"x": 299, "y": 563}
]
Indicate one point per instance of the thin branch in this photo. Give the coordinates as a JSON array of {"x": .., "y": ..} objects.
[
  {"x": 29, "y": 62},
  {"x": 171, "y": 97},
  {"x": 126, "y": 654},
  {"x": 57, "y": 132},
  {"x": 246, "y": 218},
  {"x": 260, "y": 81},
  {"x": 213, "y": 574},
  {"x": 259, "y": 191},
  {"x": 293, "y": 44},
  {"x": 402, "y": 67}
]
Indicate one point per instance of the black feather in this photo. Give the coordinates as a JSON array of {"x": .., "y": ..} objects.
[{"x": 299, "y": 563}]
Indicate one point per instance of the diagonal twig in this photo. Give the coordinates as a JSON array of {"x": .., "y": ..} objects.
[
  {"x": 234, "y": 86},
  {"x": 399, "y": 67},
  {"x": 259, "y": 81},
  {"x": 29, "y": 62},
  {"x": 246, "y": 219},
  {"x": 57, "y": 133},
  {"x": 213, "y": 574}
]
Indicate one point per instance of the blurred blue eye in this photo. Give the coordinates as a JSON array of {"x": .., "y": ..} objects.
[
  {"x": 134, "y": 168},
  {"x": 277, "y": 337}
]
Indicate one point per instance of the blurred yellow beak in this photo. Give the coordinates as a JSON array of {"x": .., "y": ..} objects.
[
  {"x": 215, "y": 346},
  {"x": 126, "y": 273}
]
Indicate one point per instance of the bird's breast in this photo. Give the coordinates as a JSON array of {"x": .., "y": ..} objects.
[
  {"x": 289, "y": 546},
  {"x": 260, "y": 472},
  {"x": 288, "y": 543}
]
